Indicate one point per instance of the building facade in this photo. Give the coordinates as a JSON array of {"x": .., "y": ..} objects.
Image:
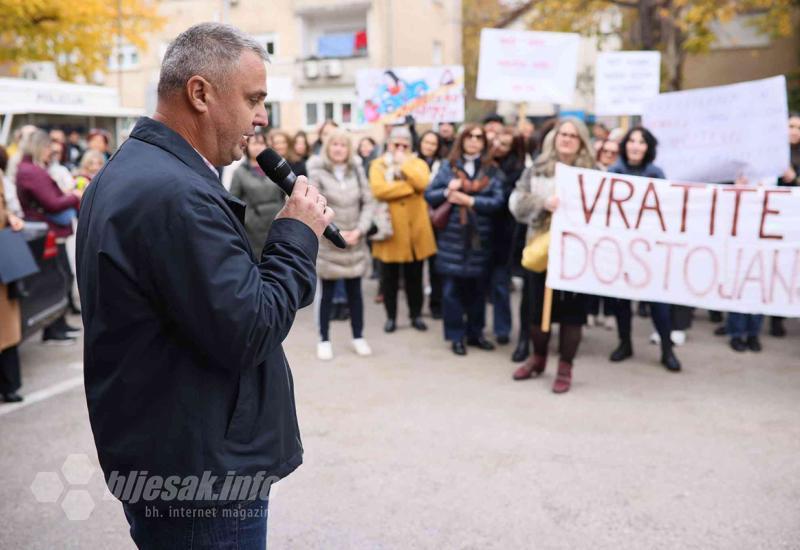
[{"x": 316, "y": 48}]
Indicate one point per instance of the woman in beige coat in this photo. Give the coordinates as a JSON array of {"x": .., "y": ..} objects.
[
  {"x": 341, "y": 180},
  {"x": 399, "y": 178},
  {"x": 533, "y": 201},
  {"x": 10, "y": 322}
]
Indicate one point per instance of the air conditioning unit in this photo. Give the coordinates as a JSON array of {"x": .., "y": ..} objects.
[
  {"x": 333, "y": 68},
  {"x": 311, "y": 69},
  {"x": 44, "y": 71}
]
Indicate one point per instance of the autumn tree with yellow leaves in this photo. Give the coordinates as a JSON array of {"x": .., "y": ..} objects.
[{"x": 77, "y": 35}]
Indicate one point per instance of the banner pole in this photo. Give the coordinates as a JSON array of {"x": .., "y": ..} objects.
[{"x": 547, "y": 309}]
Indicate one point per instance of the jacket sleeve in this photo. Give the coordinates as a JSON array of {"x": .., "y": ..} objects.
[
  {"x": 491, "y": 200},
  {"x": 384, "y": 190},
  {"x": 417, "y": 173},
  {"x": 49, "y": 196},
  {"x": 367, "y": 202},
  {"x": 525, "y": 203},
  {"x": 435, "y": 193},
  {"x": 234, "y": 310}
]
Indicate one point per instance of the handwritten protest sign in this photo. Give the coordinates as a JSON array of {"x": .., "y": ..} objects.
[
  {"x": 720, "y": 247},
  {"x": 429, "y": 94},
  {"x": 527, "y": 66},
  {"x": 716, "y": 134},
  {"x": 625, "y": 81}
]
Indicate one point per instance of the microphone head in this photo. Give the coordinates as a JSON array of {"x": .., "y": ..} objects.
[{"x": 274, "y": 166}]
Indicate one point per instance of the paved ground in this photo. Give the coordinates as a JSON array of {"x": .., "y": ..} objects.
[{"x": 415, "y": 448}]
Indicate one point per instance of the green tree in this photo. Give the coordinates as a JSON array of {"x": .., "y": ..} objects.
[{"x": 77, "y": 36}]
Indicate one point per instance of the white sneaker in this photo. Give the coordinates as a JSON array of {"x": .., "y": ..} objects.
[
  {"x": 591, "y": 321},
  {"x": 655, "y": 338},
  {"x": 324, "y": 351},
  {"x": 361, "y": 347},
  {"x": 678, "y": 337},
  {"x": 609, "y": 322}
]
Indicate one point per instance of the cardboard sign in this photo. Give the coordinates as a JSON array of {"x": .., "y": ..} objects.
[
  {"x": 527, "y": 66},
  {"x": 429, "y": 94},
  {"x": 625, "y": 81},
  {"x": 717, "y": 134}
]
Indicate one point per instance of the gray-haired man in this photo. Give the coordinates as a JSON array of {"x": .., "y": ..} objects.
[{"x": 190, "y": 395}]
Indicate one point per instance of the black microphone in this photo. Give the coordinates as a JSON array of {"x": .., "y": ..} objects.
[{"x": 278, "y": 170}]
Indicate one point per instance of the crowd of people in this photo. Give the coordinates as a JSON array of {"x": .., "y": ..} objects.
[
  {"x": 44, "y": 174},
  {"x": 449, "y": 211},
  {"x": 445, "y": 214}
]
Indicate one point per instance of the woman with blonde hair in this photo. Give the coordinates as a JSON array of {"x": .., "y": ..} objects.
[
  {"x": 91, "y": 163},
  {"x": 533, "y": 202},
  {"x": 339, "y": 176}
]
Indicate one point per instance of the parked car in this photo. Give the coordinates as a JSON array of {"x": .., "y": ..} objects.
[{"x": 42, "y": 294}]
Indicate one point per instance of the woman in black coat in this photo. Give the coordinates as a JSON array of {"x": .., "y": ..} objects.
[{"x": 471, "y": 183}]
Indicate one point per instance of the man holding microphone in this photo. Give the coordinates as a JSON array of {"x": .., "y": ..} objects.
[{"x": 185, "y": 375}]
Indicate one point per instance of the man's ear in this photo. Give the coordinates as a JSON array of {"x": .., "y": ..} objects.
[{"x": 198, "y": 90}]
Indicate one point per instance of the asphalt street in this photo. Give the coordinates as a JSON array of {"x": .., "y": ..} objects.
[{"x": 417, "y": 448}]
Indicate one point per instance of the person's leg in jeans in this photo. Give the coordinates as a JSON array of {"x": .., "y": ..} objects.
[
  {"x": 453, "y": 309},
  {"x": 241, "y": 525},
  {"x": 753, "y": 324},
  {"x": 390, "y": 281},
  {"x": 501, "y": 301},
  {"x": 435, "y": 299},
  {"x": 412, "y": 273},
  {"x": 355, "y": 301},
  {"x": 474, "y": 299},
  {"x": 736, "y": 328},
  {"x": 326, "y": 308}
]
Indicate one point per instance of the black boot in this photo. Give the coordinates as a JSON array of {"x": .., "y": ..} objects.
[
  {"x": 776, "y": 327},
  {"x": 623, "y": 351},
  {"x": 668, "y": 358},
  {"x": 522, "y": 352}
]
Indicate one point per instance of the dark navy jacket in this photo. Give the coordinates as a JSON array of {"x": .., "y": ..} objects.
[
  {"x": 184, "y": 369},
  {"x": 466, "y": 250},
  {"x": 646, "y": 171}
]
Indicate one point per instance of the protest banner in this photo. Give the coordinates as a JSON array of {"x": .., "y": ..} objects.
[
  {"x": 527, "y": 66},
  {"x": 721, "y": 247},
  {"x": 716, "y": 134},
  {"x": 625, "y": 81},
  {"x": 429, "y": 94}
]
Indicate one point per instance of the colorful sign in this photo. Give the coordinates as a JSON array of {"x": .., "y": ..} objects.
[{"x": 429, "y": 94}]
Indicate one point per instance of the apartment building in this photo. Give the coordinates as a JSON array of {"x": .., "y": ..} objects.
[{"x": 316, "y": 46}]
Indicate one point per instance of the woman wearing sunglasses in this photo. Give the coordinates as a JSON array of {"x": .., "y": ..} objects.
[{"x": 471, "y": 183}]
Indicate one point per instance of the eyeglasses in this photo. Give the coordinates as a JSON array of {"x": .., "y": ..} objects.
[
  {"x": 401, "y": 145},
  {"x": 568, "y": 135},
  {"x": 475, "y": 136},
  {"x": 608, "y": 152}
]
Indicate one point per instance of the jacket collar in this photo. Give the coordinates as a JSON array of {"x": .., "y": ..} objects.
[{"x": 159, "y": 134}]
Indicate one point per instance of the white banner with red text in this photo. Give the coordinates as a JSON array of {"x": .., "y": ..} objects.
[{"x": 720, "y": 247}]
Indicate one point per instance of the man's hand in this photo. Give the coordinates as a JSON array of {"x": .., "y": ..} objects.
[
  {"x": 454, "y": 185},
  {"x": 307, "y": 205}
]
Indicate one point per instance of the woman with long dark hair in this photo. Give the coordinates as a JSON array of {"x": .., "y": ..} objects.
[
  {"x": 471, "y": 183},
  {"x": 637, "y": 153}
]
